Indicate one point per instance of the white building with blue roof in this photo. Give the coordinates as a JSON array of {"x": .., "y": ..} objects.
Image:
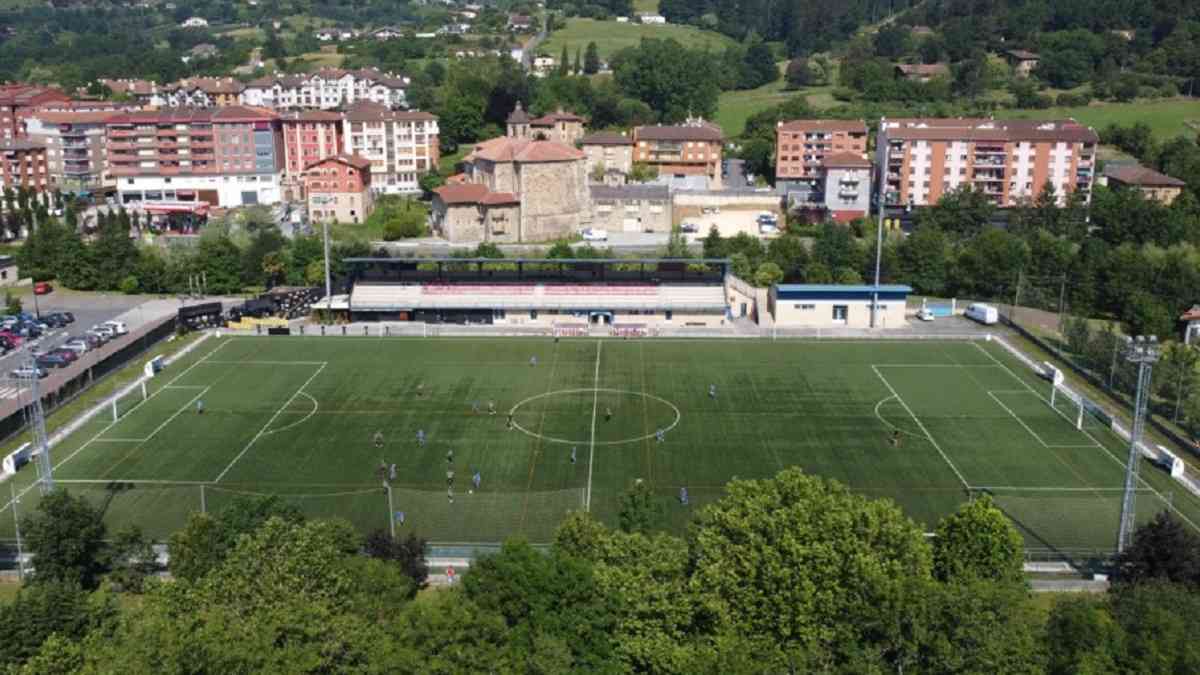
[{"x": 834, "y": 305}]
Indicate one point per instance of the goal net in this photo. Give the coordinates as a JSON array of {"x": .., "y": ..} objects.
[
  {"x": 1081, "y": 411},
  {"x": 128, "y": 400}
]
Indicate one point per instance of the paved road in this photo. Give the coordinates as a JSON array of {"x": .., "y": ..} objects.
[{"x": 736, "y": 177}]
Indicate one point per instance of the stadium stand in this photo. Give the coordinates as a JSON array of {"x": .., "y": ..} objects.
[{"x": 540, "y": 291}]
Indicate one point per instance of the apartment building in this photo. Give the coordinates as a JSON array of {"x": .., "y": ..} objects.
[
  {"x": 401, "y": 145},
  {"x": 687, "y": 150},
  {"x": 142, "y": 92},
  {"x": 227, "y": 157},
  {"x": 17, "y": 100},
  {"x": 609, "y": 154},
  {"x": 308, "y": 137},
  {"x": 326, "y": 89},
  {"x": 1008, "y": 160},
  {"x": 339, "y": 189},
  {"x": 23, "y": 164},
  {"x": 801, "y": 147},
  {"x": 76, "y": 148},
  {"x": 203, "y": 92}
]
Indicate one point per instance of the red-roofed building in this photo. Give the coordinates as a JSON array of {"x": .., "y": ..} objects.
[
  {"x": 1008, "y": 160},
  {"x": 1191, "y": 325},
  {"x": 401, "y": 145},
  {"x": 308, "y": 137},
  {"x": 231, "y": 156},
  {"x": 23, "y": 164},
  {"x": 690, "y": 149},
  {"x": 1152, "y": 184},
  {"x": 562, "y": 126},
  {"x": 17, "y": 100},
  {"x": 339, "y": 189},
  {"x": 515, "y": 190},
  {"x": 802, "y": 145},
  {"x": 76, "y": 149}
]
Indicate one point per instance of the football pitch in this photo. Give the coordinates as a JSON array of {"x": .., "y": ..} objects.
[{"x": 924, "y": 423}]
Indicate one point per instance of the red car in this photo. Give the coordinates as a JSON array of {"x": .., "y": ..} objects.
[
  {"x": 13, "y": 337},
  {"x": 42, "y": 288}
]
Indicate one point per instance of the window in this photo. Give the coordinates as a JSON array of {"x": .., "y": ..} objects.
[
  {"x": 840, "y": 312},
  {"x": 805, "y": 308},
  {"x": 668, "y": 315}
]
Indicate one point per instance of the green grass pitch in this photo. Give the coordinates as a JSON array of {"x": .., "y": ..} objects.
[{"x": 916, "y": 422}]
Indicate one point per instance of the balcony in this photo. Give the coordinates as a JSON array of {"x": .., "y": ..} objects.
[
  {"x": 848, "y": 193},
  {"x": 848, "y": 180},
  {"x": 117, "y": 132}
]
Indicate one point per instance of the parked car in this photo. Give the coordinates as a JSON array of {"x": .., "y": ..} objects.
[
  {"x": 592, "y": 234},
  {"x": 67, "y": 316},
  {"x": 985, "y": 314},
  {"x": 54, "y": 320},
  {"x": 11, "y": 337},
  {"x": 118, "y": 327},
  {"x": 93, "y": 341},
  {"x": 29, "y": 372},
  {"x": 52, "y": 361},
  {"x": 69, "y": 354},
  {"x": 690, "y": 227},
  {"x": 78, "y": 345},
  {"x": 42, "y": 288},
  {"x": 104, "y": 329},
  {"x": 925, "y": 314},
  {"x": 7, "y": 344}
]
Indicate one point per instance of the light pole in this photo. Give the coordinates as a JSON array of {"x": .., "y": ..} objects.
[
  {"x": 328, "y": 284},
  {"x": 17, "y": 527},
  {"x": 879, "y": 234},
  {"x": 1143, "y": 351}
]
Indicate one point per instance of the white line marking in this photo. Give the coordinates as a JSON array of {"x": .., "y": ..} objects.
[
  {"x": 184, "y": 386},
  {"x": 138, "y": 405},
  {"x": 270, "y": 363},
  {"x": 587, "y": 497},
  {"x": 121, "y": 440},
  {"x": 262, "y": 432},
  {"x": 1012, "y": 488},
  {"x": 160, "y": 427},
  {"x": 1030, "y": 429},
  {"x": 923, "y": 429},
  {"x": 1114, "y": 458},
  {"x": 302, "y": 419}
]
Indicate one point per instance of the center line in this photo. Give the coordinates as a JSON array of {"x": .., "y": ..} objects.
[{"x": 587, "y": 498}]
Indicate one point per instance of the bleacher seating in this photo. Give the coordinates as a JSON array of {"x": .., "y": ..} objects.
[
  {"x": 384, "y": 296},
  {"x": 478, "y": 289},
  {"x": 600, "y": 289},
  {"x": 571, "y": 330}
]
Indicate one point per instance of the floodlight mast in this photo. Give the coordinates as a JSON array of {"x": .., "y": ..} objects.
[
  {"x": 41, "y": 441},
  {"x": 879, "y": 238},
  {"x": 1142, "y": 351}
]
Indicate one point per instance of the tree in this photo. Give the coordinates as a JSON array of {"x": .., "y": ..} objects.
[
  {"x": 673, "y": 80},
  {"x": 978, "y": 542},
  {"x": 44, "y": 609},
  {"x": 960, "y": 212},
  {"x": 408, "y": 553},
  {"x": 591, "y": 59},
  {"x": 552, "y": 605},
  {"x": 640, "y": 510},
  {"x": 923, "y": 260},
  {"x": 203, "y": 544},
  {"x": 564, "y": 63},
  {"x": 767, "y": 275},
  {"x": 1082, "y": 636},
  {"x": 759, "y": 553},
  {"x": 759, "y": 65},
  {"x": 577, "y": 67},
  {"x": 1164, "y": 550},
  {"x": 676, "y": 244},
  {"x": 798, "y": 73},
  {"x": 65, "y": 536},
  {"x": 12, "y": 303}
]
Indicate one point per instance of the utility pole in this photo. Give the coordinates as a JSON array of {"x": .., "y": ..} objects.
[
  {"x": 17, "y": 527},
  {"x": 391, "y": 514},
  {"x": 1143, "y": 351},
  {"x": 328, "y": 285},
  {"x": 878, "y": 236}
]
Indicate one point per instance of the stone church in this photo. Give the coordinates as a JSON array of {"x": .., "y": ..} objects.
[{"x": 519, "y": 188}]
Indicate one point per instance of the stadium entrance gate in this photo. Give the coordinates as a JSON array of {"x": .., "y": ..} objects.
[{"x": 600, "y": 318}]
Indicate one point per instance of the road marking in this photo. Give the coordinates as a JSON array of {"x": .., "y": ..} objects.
[
  {"x": 923, "y": 429},
  {"x": 263, "y": 431},
  {"x": 587, "y": 498}
]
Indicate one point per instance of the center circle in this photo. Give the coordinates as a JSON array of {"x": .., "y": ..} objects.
[{"x": 598, "y": 412}]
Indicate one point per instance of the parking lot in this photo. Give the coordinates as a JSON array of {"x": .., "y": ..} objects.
[
  {"x": 729, "y": 222},
  {"x": 89, "y": 309}
]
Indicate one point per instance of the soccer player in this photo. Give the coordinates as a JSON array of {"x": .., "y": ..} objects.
[
  {"x": 450, "y": 456},
  {"x": 450, "y": 494},
  {"x": 533, "y": 361},
  {"x": 712, "y": 391},
  {"x": 449, "y": 477},
  {"x": 896, "y": 438},
  {"x": 421, "y": 437},
  {"x": 477, "y": 479},
  {"x": 683, "y": 498},
  {"x": 378, "y": 439},
  {"x": 200, "y": 406},
  {"x": 607, "y": 414},
  {"x": 392, "y": 473},
  {"x": 475, "y": 407},
  {"x": 420, "y": 389},
  {"x": 573, "y": 449},
  {"x": 509, "y": 424},
  {"x": 491, "y": 407},
  {"x": 660, "y": 435}
]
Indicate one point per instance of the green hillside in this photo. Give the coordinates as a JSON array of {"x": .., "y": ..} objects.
[{"x": 611, "y": 37}]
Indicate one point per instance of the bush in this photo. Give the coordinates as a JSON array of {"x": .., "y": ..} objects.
[
  {"x": 1069, "y": 100},
  {"x": 129, "y": 285}
]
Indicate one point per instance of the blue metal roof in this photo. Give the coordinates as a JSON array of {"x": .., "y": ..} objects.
[{"x": 841, "y": 288}]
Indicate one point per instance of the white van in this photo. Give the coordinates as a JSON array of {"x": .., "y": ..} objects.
[{"x": 985, "y": 314}]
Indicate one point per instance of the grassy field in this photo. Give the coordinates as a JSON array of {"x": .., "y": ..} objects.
[
  {"x": 611, "y": 37},
  {"x": 924, "y": 424},
  {"x": 1167, "y": 118}
]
